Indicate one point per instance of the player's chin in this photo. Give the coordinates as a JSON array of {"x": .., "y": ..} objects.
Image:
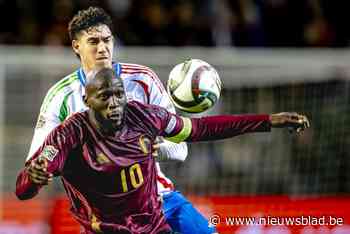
[
  {"x": 116, "y": 123},
  {"x": 104, "y": 63}
]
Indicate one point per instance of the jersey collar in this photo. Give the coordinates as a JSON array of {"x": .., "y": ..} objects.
[{"x": 82, "y": 77}]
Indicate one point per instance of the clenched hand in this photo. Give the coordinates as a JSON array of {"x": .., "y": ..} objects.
[
  {"x": 290, "y": 120},
  {"x": 37, "y": 171}
]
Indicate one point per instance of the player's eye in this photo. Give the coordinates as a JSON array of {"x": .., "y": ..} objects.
[
  {"x": 107, "y": 39},
  {"x": 93, "y": 42},
  {"x": 104, "y": 96},
  {"x": 119, "y": 94}
]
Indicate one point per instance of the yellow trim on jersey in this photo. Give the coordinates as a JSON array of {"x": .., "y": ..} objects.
[
  {"x": 184, "y": 133},
  {"x": 95, "y": 224}
]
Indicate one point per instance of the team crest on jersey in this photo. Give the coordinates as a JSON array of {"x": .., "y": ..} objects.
[
  {"x": 145, "y": 144},
  {"x": 49, "y": 152},
  {"x": 102, "y": 159},
  {"x": 41, "y": 121}
]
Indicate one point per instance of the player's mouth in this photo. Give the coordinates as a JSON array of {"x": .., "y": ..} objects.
[
  {"x": 102, "y": 58},
  {"x": 115, "y": 116}
]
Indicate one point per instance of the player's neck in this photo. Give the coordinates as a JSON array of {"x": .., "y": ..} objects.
[
  {"x": 86, "y": 69},
  {"x": 102, "y": 127}
]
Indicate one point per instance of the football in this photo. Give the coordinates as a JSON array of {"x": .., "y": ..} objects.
[{"x": 194, "y": 86}]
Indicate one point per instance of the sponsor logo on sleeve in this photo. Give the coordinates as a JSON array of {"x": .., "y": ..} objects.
[
  {"x": 49, "y": 152},
  {"x": 41, "y": 122},
  {"x": 102, "y": 159}
]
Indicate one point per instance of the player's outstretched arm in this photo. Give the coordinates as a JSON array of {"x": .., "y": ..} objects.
[{"x": 226, "y": 126}]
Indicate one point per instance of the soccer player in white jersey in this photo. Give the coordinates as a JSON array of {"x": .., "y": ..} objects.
[{"x": 92, "y": 41}]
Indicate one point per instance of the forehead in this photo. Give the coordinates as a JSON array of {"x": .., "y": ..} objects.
[
  {"x": 101, "y": 30},
  {"x": 102, "y": 84}
]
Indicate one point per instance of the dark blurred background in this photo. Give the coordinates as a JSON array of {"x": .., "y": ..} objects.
[{"x": 248, "y": 23}]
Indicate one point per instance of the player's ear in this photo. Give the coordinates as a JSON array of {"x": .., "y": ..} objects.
[
  {"x": 75, "y": 46},
  {"x": 85, "y": 100}
]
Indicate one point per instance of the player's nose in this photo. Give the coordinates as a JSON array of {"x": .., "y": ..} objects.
[
  {"x": 101, "y": 47},
  {"x": 113, "y": 102}
]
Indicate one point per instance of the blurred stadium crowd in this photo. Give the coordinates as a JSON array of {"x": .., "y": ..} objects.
[{"x": 256, "y": 23}]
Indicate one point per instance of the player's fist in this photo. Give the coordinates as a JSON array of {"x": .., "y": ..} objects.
[
  {"x": 37, "y": 171},
  {"x": 156, "y": 147},
  {"x": 290, "y": 120}
]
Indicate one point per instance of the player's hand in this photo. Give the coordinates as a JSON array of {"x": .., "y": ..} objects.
[
  {"x": 37, "y": 171},
  {"x": 155, "y": 149},
  {"x": 156, "y": 146},
  {"x": 292, "y": 121}
]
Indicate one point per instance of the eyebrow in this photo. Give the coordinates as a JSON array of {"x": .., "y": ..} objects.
[
  {"x": 92, "y": 38},
  {"x": 114, "y": 86},
  {"x": 96, "y": 37}
]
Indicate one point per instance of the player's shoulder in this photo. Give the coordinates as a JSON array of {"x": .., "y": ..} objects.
[
  {"x": 68, "y": 82},
  {"x": 77, "y": 125},
  {"x": 146, "y": 118},
  {"x": 142, "y": 73},
  {"x": 138, "y": 71},
  {"x": 61, "y": 90},
  {"x": 145, "y": 110},
  {"x": 77, "y": 119},
  {"x": 133, "y": 68},
  {"x": 136, "y": 105}
]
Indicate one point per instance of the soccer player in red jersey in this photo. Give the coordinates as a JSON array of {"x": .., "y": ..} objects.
[{"x": 104, "y": 155}]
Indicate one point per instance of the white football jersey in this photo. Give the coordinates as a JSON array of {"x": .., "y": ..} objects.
[{"x": 66, "y": 98}]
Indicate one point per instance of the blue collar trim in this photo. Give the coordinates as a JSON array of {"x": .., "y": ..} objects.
[{"x": 81, "y": 75}]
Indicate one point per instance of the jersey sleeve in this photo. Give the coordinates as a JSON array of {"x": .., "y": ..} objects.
[
  {"x": 50, "y": 116},
  {"x": 157, "y": 94},
  {"x": 45, "y": 124},
  {"x": 159, "y": 97},
  {"x": 219, "y": 127},
  {"x": 55, "y": 149},
  {"x": 59, "y": 143},
  {"x": 177, "y": 129},
  {"x": 161, "y": 122}
]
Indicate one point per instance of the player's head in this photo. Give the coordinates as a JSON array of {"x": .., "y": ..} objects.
[
  {"x": 90, "y": 31},
  {"x": 106, "y": 98}
]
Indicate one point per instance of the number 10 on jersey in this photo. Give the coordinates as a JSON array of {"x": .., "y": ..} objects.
[{"x": 135, "y": 174}]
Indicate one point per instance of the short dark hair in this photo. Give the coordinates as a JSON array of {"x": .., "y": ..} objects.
[
  {"x": 105, "y": 73},
  {"x": 100, "y": 74},
  {"x": 87, "y": 18}
]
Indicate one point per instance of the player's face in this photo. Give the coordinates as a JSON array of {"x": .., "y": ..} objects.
[
  {"x": 108, "y": 100},
  {"x": 95, "y": 47}
]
